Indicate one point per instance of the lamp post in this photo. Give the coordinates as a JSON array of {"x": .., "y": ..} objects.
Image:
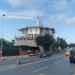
[{"x": 2, "y": 37}]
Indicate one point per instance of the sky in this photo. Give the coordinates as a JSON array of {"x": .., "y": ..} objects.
[{"x": 57, "y": 14}]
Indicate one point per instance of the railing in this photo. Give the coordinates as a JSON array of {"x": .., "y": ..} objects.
[{"x": 25, "y": 38}]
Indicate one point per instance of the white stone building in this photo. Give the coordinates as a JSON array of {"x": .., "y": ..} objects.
[{"x": 29, "y": 34}]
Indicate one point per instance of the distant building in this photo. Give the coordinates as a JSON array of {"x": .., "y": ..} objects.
[{"x": 29, "y": 34}]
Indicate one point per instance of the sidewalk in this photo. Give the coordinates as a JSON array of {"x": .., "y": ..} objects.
[{"x": 13, "y": 57}]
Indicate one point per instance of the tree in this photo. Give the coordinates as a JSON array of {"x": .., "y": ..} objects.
[
  {"x": 6, "y": 43},
  {"x": 55, "y": 45},
  {"x": 45, "y": 41},
  {"x": 61, "y": 43},
  {"x": 71, "y": 45}
]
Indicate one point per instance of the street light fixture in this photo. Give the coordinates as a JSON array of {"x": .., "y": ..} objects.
[{"x": 2, "y": 37}]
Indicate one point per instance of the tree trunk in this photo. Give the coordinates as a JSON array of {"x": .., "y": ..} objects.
[
  {"x": 50, "y": 50},
  {"x": 41, "y": 49}
]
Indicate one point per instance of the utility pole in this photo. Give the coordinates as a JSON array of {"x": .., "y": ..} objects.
[{"x": 1, "y": 49}]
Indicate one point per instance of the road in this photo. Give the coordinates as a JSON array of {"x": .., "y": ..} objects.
[{"x": 55, "y": 65}]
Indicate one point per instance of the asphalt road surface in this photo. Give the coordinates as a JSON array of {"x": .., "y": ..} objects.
[{"x": 54, "y": 65}]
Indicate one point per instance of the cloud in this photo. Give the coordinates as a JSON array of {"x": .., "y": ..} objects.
[
  {"x": 18, "y": 17},
  {"x": 28, "y": 14},
  {"x": 38, "y": 4},
  {"x": 69, "y": 20},
  {"x": 13, "y": 3},
  {"x": 61, "y": 18},
  {"x": 56, "y": 18},
  {"x": 26, "y": 3},
  {"x": 61, "y": 4},
  {"x": 73, "y": 1},
  {"x": 57, "y": 4},
  {"x": 32, "y": 13},
  {"x": 2, "y": 12}
]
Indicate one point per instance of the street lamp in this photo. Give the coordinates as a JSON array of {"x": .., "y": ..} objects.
[{"x": 2, "y": 38}]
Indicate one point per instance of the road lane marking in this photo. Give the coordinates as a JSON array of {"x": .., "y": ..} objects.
[
  {"x": 16, "y": 66},
  {"x": 40, "y": 69}
]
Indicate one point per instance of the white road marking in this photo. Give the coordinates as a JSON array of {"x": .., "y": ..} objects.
[
  {"x": 16, "y": 66},
  {"x": 40, "y": 69}
]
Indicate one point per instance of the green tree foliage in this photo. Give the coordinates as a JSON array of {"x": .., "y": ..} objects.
[
  {"x": 71, "y": 45},
  {"x": 45, "y": 41},
  {"x": 61, "y": 43},
  {"x": 55, "y": 45},
  {"x": 6, "y": 42}
]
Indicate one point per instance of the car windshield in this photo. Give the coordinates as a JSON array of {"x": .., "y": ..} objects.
[{"x": 73, "y": 52}]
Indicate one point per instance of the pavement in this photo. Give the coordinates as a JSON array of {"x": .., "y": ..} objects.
[{"x": 57, "y": 64}]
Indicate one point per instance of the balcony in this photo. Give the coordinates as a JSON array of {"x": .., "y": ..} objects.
[{"x": 24, "y": 38}]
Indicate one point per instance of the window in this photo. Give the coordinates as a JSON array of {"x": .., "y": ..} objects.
[
  {"x": 30, "y": 35},
  {"x": 35, "y": 35}
]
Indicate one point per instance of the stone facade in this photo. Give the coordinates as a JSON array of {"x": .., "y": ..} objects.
[{"x": 29, "y": 34}]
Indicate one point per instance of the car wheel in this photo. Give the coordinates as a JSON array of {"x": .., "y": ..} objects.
[{"x": 40, "y": 56}]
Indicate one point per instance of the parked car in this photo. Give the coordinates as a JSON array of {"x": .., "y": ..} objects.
[
  {"x": 44, "y": 54},
  {"x": 67, "y": 53},
  {"x": 72, "y": 56}
]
